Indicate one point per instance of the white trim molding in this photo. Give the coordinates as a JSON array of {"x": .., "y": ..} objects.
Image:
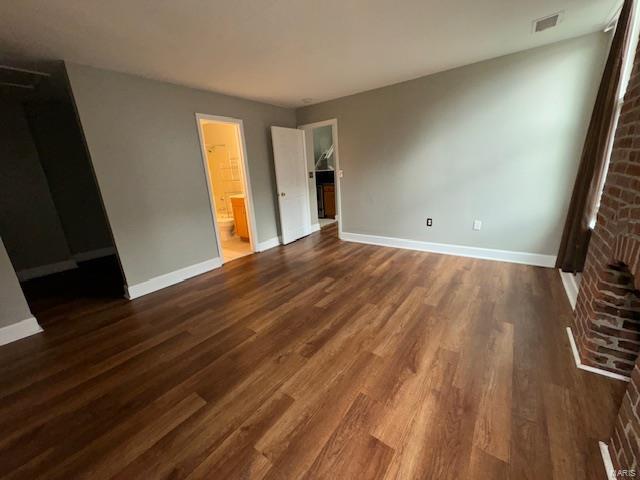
[
  {"x": 168, "y": 279},
  {"x": 570, "y": 287},
  {"x": 266, "y": 245},
  {"x": 315, "y": 227},
  {"x": 93, "y": 254},
  {"x": 24, "y": 328},
  {"x": 606, "y": 459},
  {"x": 526, "y": 258},
  {"x": 588, "y": 368},
  {"x": 44, "y": 270}
]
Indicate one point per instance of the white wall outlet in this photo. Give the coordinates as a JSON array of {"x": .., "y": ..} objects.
[
  {"x": 477, "y": 224},
  {"x": 340, "y": 174}
]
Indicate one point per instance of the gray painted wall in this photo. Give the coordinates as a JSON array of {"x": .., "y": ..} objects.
[
  {"x": 143, "y": 143},
  {"x": 68, "y": 170},
  {"x": 29, "y": 222},
  {"x": 497, "y": 141},
  {"x": 13, "y": 306}
]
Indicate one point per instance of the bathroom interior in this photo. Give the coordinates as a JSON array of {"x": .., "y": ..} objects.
[
  {"x": 227, "y": 186},
  {"x": 323, "y": 153}
]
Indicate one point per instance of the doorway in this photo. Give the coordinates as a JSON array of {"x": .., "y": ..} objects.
[
  {"x": 321, "y": 139},
  {"x": 225, "y": 164}
]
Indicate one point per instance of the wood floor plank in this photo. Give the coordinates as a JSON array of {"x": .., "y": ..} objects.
[
  {"x": 147, "y": 377},
  {"x": 236, "y": 457},
  {"x": 180, "y": 452},
  {"x": 530, "y": 454},
  {"x": 294, "y": 442},
  {"x": 561, "y": 425},
  {"x": 411, "y": 419},
  {"x": 492, "y": 432},
  {"x": 484, "y": 465},
  {"x": 320, "y": 359},
  {"x": 111, "y": 452},
  {"x": 351, "y": 452}
]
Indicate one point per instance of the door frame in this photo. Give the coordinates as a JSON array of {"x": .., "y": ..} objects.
[
  {"x": 244, "y": 165},
  {"x": 338, "y": 173}
]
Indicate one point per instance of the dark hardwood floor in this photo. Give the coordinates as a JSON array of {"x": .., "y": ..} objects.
[{"x": 321, "y": 359}]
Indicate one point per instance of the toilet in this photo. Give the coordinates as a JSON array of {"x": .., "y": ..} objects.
[{"x": 225, "y": 225}]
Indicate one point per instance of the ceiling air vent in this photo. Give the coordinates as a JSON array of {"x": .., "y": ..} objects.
[{"x": 545, "y": 23}]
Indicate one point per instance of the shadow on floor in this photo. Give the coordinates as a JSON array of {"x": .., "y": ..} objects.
[{"x": 95, "y": 281}]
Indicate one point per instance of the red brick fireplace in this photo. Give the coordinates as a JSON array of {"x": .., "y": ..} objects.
[{"x": 607, "y": 315}]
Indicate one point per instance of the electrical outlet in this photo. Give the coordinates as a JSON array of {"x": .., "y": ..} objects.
[
  {"x": 429, "y": 222},
  {"x": 477, "y": 224},
  {"x": 310, "y": 174}
]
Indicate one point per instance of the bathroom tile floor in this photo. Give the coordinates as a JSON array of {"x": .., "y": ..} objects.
[{"x": 234, "y": 248}]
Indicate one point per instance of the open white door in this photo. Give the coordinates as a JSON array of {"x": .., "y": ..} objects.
[{"x": 291, "y": 178}]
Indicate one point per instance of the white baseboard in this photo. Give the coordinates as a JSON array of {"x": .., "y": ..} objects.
[
  {"x": 266, "y": 245},
  {"x": 315, "y": 227},
  {"x": 606, "y": 459},
  {"x": 458, "y": 250},
  {"x": 93, "y": 254},
  {"x": 168, "y": 279},
  {"x": 570, "y": 287},
  {"x": 43, "y": 270},
  {"x": 22, "y": 329},
  {"x": 588, "y": 368}
]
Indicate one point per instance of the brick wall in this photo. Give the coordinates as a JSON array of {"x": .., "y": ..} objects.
[
  {"x": 607, "y": 321},
  {"x": 624, "y": 446},
  {"x": 607, "y": 317}
]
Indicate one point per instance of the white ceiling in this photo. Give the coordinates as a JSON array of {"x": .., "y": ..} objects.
[{"x": 283, "y": 51}]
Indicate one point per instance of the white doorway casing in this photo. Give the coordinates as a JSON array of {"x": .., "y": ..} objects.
[
  {"x": 308, "y": 129},
  {"x": 253, "y": 238}
]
